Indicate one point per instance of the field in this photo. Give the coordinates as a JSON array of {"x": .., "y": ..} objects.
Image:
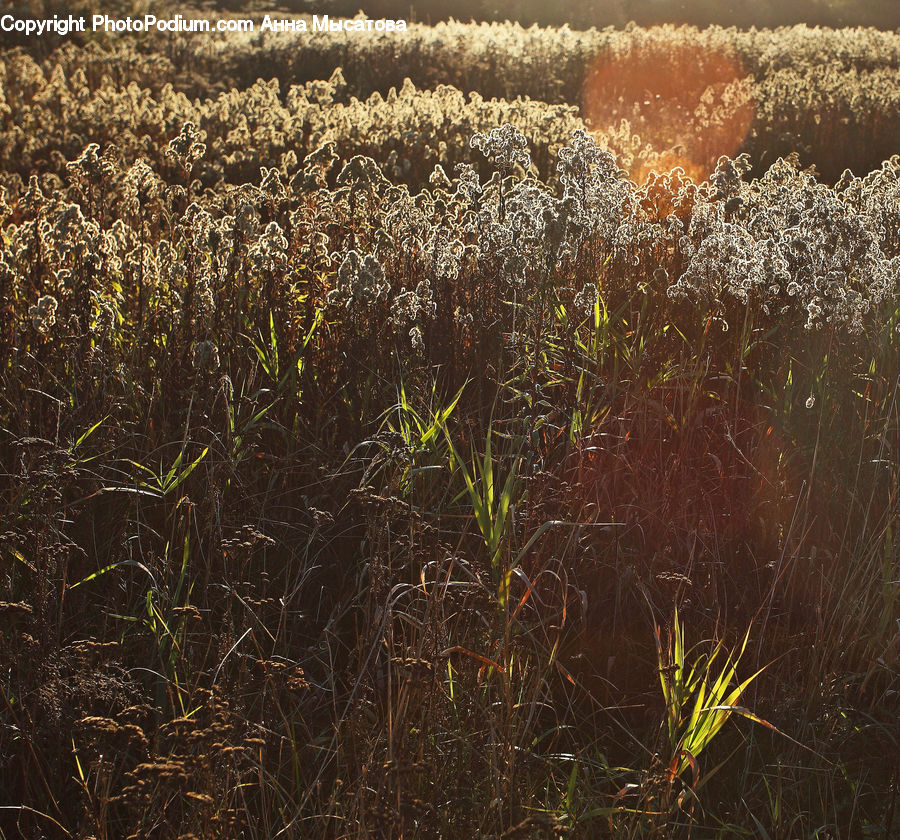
[{"x": 471, "y": 431}]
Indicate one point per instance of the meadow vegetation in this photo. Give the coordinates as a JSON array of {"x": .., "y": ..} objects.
[
  {"x": 448, "y": 464},
  {"x": 583, "y": 14},
  {"x": 665, "y": 93}
]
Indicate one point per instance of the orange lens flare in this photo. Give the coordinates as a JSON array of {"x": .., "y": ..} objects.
[{"x": 664, "y": 103}]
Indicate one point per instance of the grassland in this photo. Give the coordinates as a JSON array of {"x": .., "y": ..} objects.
[{"x": 450, "y": 458}]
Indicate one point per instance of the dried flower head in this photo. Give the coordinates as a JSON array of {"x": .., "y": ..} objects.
[
  {"x": 43, "y": 314},
  {"x": 360, "y": 281},
  {"x": 504, "y": 147},
  {"x": 188, "y": 147}
]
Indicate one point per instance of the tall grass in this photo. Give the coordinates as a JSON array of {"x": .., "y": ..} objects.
[{"x": 334, "y": 507}]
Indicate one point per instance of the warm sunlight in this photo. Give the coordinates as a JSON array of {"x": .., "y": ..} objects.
[{"x": 687, "y": 103}]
